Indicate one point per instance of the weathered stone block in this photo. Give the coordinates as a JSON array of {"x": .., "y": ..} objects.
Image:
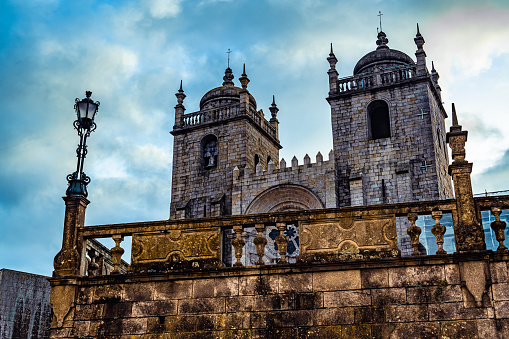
[
  {"x": 356, "y": 331},
  {"x": 502, "y": 309},
  {"x": 459, "y": 329},
  {"x": 416, "y": 275},
  {"x": 375, "y": 278},
  {"x": 333, "y": 316},
  {"x": 289, "y": 318},
  {"x": 154, "y": 308},
  {"x": 117, "y": 310},
  {"x": 138, "y": 292},
  {"x": 295, "y": 283},
  {"x": 259, "y": 284},
  {"x": 369, "y": 314},
  {"x": 88, "y": 312},
  {"x": 108, "y": 293},
  {"x": 454, "y": 311},
  {"x": 203, "y": 288},
  {"x": 388, "y": 296},
  {"x": 226, "y": 286},
  {"x": 500, "y": 291},
  {"x": 337, "y": 280},
  {"x": 406, "y": 313},
  {"x": 347, "y": 298},
  {"x": 173, "y": 289},
  {"x": 203, "y": 305}
]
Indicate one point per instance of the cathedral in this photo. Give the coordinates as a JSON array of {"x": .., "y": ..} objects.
[
  {"x": 389, "y": 144},
  {"x": 256, "y": 247}
]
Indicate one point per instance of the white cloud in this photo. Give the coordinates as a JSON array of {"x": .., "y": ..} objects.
[{"x": 161, "y": 9}]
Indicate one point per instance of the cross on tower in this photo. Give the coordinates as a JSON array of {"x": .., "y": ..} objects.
[
  {"x": 380, "y": 15},
  {"x": 422, "y": 114},
  {"x": 229, "y": 51},
  {"x": 425, "y": 165}
]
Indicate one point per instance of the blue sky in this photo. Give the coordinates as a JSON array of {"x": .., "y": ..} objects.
[{"x": 133, "y": 54}]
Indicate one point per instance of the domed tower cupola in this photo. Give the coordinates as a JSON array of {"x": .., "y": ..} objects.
[
  {"x": 382, "y": 57},
  {"x": 226, "y": 95}
]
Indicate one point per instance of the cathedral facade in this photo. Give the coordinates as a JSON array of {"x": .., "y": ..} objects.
[{"x": 388, "y": 144}]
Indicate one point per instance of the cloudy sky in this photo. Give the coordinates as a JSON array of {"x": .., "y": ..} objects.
[{"x": 133, "y": 54}]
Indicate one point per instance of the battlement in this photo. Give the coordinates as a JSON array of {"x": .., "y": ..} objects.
[
  {"x": 377, "y": 78},
  {"x": 223, "y": 113},
  {"x": 283, "y": 168}
]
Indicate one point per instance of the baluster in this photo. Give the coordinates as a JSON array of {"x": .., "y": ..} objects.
[
  {"x": 499, "y": 227},
  {"x": 92, "y": 265},
  {"x": 116, "y": 253},
  {"x": 238, "y": 244},
  {"x": 260, "y": 241},
  {"x": 438, "y": 231},
  {"x": 414, "y": 232},
  {"x": 282, "y": 242}
]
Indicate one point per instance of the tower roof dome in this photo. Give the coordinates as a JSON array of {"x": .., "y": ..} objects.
[
  {"x": 382, "y": 56},
  {"x": 224, "y": 95}
]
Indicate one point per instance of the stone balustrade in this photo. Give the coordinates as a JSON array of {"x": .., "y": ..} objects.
[
  {"x": 226, "y": 112},
  {"x": 377, "y": 78},
  {"x": 325, "y": 235}
]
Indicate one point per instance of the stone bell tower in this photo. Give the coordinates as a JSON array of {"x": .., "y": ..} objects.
[
  {"x": 228, "y": 133},
  {"x": 388, "y": 129}
]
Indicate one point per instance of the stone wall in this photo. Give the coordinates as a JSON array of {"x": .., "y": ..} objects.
[
  {"x": 24, "y": 305},
  {"x": 392, "y": 298}
]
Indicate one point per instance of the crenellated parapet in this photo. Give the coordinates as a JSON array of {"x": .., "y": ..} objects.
[{"x": 318, "y": 176}]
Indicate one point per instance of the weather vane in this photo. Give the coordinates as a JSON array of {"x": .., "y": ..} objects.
[
  {"x": 229, "y": 51},
  {"x": 380, "y": 15}
]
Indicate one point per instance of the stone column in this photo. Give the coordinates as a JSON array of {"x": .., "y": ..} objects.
[
  {"x": 468, "y": 231},
  {"x": 67, "y": 261}
]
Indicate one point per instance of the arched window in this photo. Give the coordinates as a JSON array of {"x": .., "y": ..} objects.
[
  {"x": 268, "y": 159},
  {"x": 379, "y": 121},
  {"x": 256, "y": 160},
  {"x": 209, "y": 152}
]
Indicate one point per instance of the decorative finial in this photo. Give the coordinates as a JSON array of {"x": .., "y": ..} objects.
[
  {"x": 432, "y": 66},
  {"x": 380, "y": 16},
  {"x": 243, "y": 78},
  {"x": 273, "y": 109},
  {"x": 88, "y": 94},
  {"x": 180, "y": 94},
  {"x": 228, "y": 77},
  {"x": 229, "y": 51},
  {"x": 418, "y": 32},
  {"x": 454, "y": 116},
  {"x": 382, "y": 40},
  {"x": 331, "y": 51}
]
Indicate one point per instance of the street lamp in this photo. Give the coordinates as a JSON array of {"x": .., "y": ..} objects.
[{"x": 84, "y": 124}]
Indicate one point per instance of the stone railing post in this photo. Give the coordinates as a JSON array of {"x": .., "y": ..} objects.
[
  {"x": 282, "y": 242},
  {"x": 68, "y": 260},
  {"x": 93, "y": 267},
  {"x": 438, "y": 231},
  {"x": 468, "y": 232},
  {"x": 498, "y": 227},
  {"x": 238, "y": 245},
  {"x": 116, "y": 253},
  {"x": 414, "y": 232},
  {"x": 260, "y": 241}
]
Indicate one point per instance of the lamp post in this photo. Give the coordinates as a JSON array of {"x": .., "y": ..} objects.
[
  {"x": 84, "y": 124},
  {"x": 67, "y": 261}
]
